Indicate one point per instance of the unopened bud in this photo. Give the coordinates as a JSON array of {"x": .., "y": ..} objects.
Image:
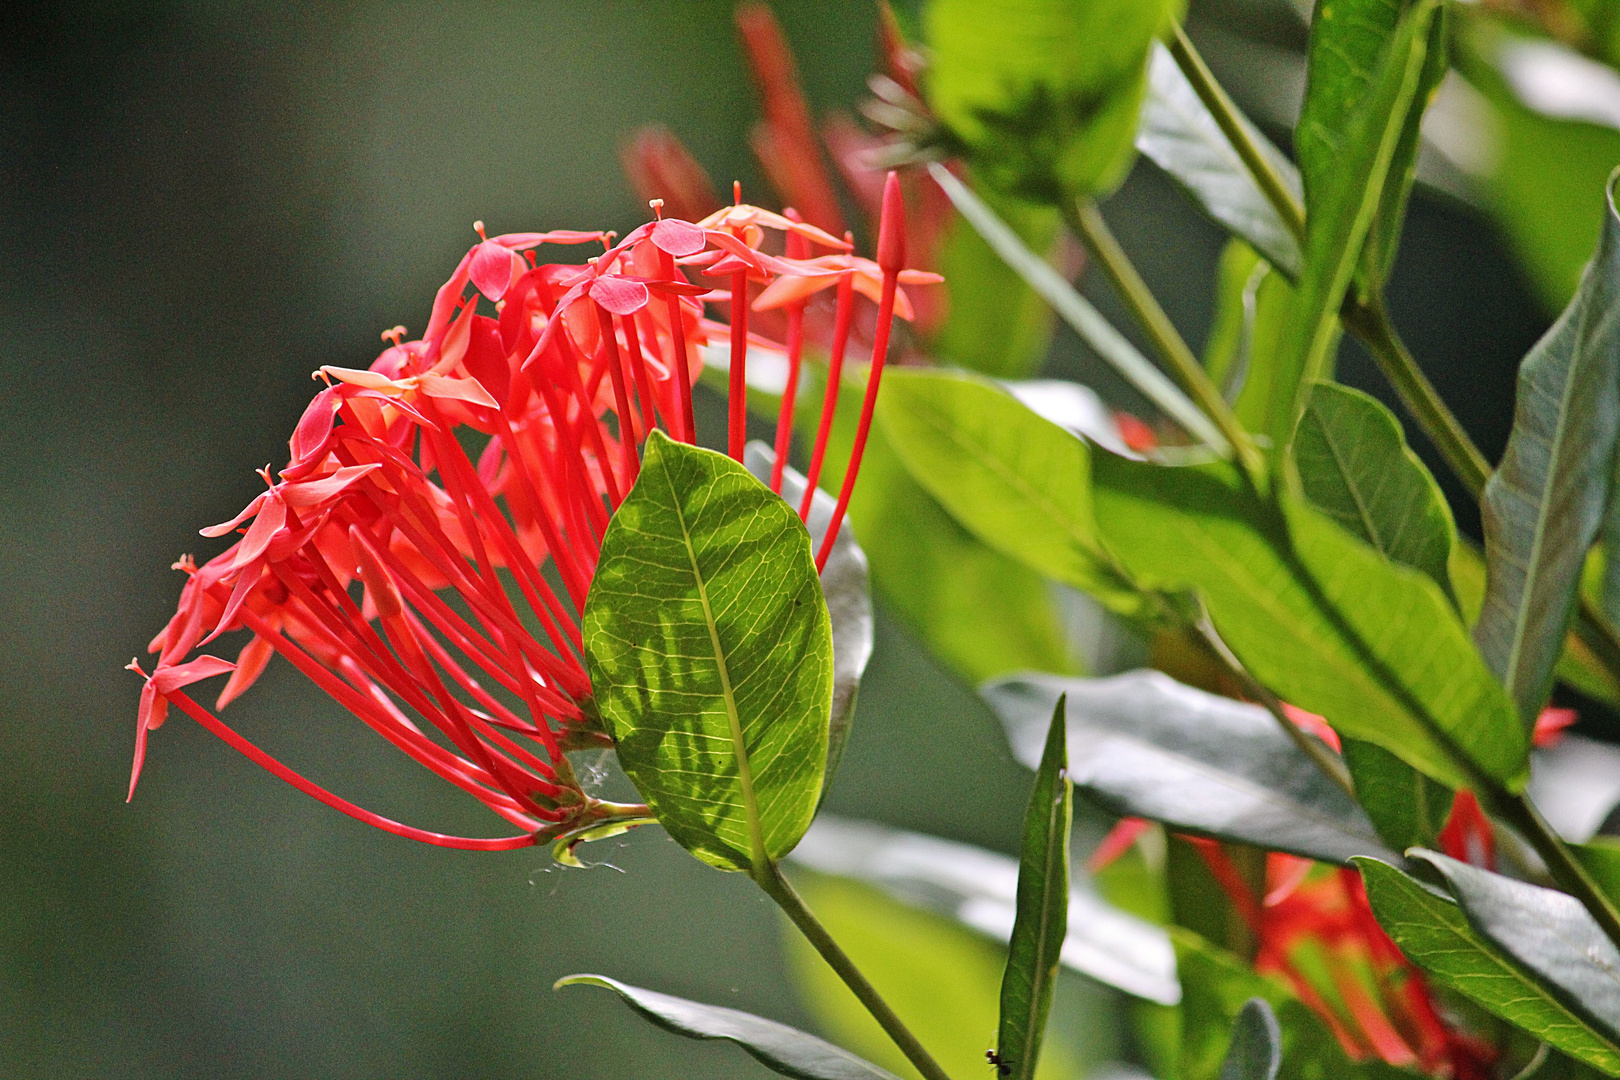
[{"x": 891, "y": 246}]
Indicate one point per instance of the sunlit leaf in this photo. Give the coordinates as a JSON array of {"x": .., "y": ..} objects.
[
  {"x": 780, "y": 1048},
  {"x": 1043, "y": 909},
  {"x": 1544, "y": 505},
  {"x": 710, "y": 654},
  {"x": 1434, "y": 932}
]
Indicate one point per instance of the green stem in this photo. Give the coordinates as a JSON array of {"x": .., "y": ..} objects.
[
  {"x": 1566, "y": 869},
  {"x": 1083, "y": 217},
  {"x": 1231, "y": 124},
  {"x": 780, "y": 890}
]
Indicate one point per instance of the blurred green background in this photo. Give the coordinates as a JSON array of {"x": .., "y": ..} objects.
[{"x": 199, "y": 204}]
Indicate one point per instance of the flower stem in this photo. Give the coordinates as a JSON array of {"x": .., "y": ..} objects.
[
  {"x": 1083, "y": 217},
  {"x": 787, "y": 898}
]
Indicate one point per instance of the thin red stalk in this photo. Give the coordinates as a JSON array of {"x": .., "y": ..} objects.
[
  {"x": 835, "y": 378},
  {"x": 737, "y": 396},
  {"x": 797, "y": 248},
  {"x": 499, "y": 713},
  {"x": 638, "y": 367},
  {"x": 575, "y": 472},
  {"x": 880, "y": 348},
  {"x": 627, "y": 423},
  {"x": 308, "y": 787},
  {"x": 677, "y": 330},
  {"x": 566, "y": 357},
  {"x": 562, "y": 553}
]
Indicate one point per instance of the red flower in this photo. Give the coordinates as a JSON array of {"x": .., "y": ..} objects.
[{"x": 403, "y": 574}]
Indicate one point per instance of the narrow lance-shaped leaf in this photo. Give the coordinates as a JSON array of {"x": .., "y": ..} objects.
[
  {"x": 1543, "y": 506},
  {"x": 1178, "y": 134},
  {"x": 1435, "y": 934},
  {"x": 710, "y": 653},
  {"x": 1323, "y": 620},
  {"x": 1256, "y": 1050},
  {"x": 780, "y": 1048},
  {"x": 844, "y": 586},
  {"x": 1017, "y": 481},
  {"x": 1144, "y": 745},
  {"x": 1341, "y": 207},
  {"x": 1043, "y": 909}
]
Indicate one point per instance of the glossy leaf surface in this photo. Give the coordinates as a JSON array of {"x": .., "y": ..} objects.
[
  {"x": 1323, "y": 620},
  {"x": 1041, "y": 924},
  {"x": 1256, "y": 1050},
  {"x": 1544, "y": 505},
  {"x": 1179, "y": 135},
  {"x": 1144, "y": 745},
  {"x": 710, "y": 653},
  {"x": 1434, "y": 933},
  {"x": 780, "y": 1048}
]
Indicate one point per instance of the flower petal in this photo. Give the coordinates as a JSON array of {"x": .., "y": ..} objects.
[
  {"x": 678, "y": 237},
  {"x": 621, "y": 296}
]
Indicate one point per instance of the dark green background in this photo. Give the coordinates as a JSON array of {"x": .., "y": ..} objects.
[{"x": 198, "y": 206}]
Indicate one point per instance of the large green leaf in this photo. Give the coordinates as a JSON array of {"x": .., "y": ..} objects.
[
  {"x": 710, "y": 654},
  {"x": 1544, "y": 505},
  {"x": 995, "y": 323},
  {"x": 1349, "y": 39},
  {"x": 1043, "y": 909},
  {"x": 1436, "y": 935},
  {"x": 979, "y": 889},
  {"x": 1351, "y": 171},
  {"x": 1179, "y": 135},
  {"x": 940, "y": 978},
  {"x": 1256, "y": 1050},
  {"x": 1354, "y": 466},
  {"x": 1043, "y": 94},
  {"x": 1144, "y": 745},
  {"x": 1017, "y": 481},
  {"x": 780, "y": 1048},
  {"x": 976, "y": 609},
  {"x": 1322, "y": 619},
  {"x": 843, "y": 586},
  {"x": 1407, "y": 808}
]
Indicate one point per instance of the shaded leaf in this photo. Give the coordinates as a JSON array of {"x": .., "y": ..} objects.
[
  {"x": 1543, "y": 506},
  {"x": 979, "y": 889},
  {"x": 1178, "y": 134},
  {"x": 1406, "y": 807},
  {"x": 1042, "y": 93},
  {"x": 710, "y": 654},
  {"x": 1256, "y": 1051},
  {"x": 780, "y": 1048},
  {"x": 1320, "y": 618},
  {"x": 1038, "y": 930},
  {"x": 1435, "y": 934},
  {"x": 843, "y": 585},
  {"x": 1017, "y": 481},
  {"x": 1252, "y": 301},
  {"x": 1144, "y": 745},
  {"x": 1344, "y": 194},
  {"x": 1355, "y": 467}
]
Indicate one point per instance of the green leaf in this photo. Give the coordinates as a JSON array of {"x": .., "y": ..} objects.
[
  {"x": 995, "y": 323},
  {"x": 940, "y": 978},
  {"x": 1543, "y": 507},
  {"x": 1256, "y": 1051},
  {"x": 1144, "y": 745},
  {"x": 1017, "y": 481},
  {"x": 780, "y": 1048},
  {"x": 1352, "y": 169},
  {"x": 979, "y": 611},
  {"x": 1406, "y": 807},
  {"x": 1355, "y": 467},
  {"x": 1349, "y": 38},
  {"x": 710, "y": 653},
  {"x": 1043, "y": 94},
  {"x": 1043, "y": 909},
  {"x": 1601, "y": 857},
  {"x": 1179, "y": 135},
  {"x": 1320, "y": 618},
  {"x": 1437, "y": 936},
  {"x": 979, "y": 889},
  {"x": 1252, "y": 302},
  {"x": 843, "y": 585}
]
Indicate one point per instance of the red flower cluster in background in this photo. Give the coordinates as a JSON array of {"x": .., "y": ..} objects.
[{"x": 347, "y": 562}]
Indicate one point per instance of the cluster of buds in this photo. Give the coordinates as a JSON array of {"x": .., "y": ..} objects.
[{"x": 425, "y": 554}]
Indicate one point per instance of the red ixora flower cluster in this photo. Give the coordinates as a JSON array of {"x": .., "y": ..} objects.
[{"x": 382, "y": 517}]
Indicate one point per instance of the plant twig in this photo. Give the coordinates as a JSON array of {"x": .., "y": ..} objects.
[
  {"x": 779, "y": 889},
  {"x": 1083, "y": 217},
  {"x": 1566, "y": 869}
]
